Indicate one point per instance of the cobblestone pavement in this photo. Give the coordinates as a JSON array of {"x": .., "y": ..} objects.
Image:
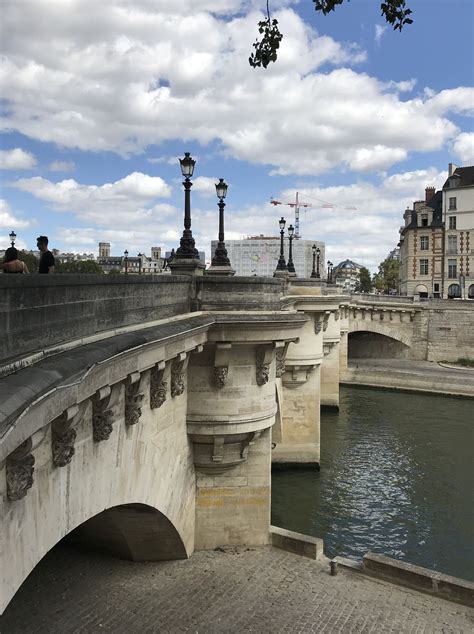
[{"x": 237, "y": 590}]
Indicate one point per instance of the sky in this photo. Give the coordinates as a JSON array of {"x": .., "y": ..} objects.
[{"x": 99, "y": 100}]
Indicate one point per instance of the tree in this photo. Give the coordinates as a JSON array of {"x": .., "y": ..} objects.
[
  {"x": 78, "y": 266},
  {"x": 30, "y": 260},
  {"x": 266, "y": 49},
  {"x": 364, "y": 283},
  {"x": 386, "y": 279}
]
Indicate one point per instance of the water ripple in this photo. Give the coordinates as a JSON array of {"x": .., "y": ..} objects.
[{"x": 396, "y": 478}]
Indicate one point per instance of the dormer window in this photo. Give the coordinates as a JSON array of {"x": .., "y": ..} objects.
[
  {"x": 454, "y": 181},
  {"x": 424, "y": 220}
]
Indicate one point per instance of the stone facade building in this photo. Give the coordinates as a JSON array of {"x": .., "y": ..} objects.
[
  {"x": 436, "y": 254},
  {"x": 258, "y": 255},
  {"x": 346, "y": 274}
]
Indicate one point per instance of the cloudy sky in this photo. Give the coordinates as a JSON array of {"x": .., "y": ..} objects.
[{"x": 100, "y": 99}]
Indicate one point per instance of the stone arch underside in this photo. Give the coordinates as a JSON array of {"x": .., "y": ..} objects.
[
  {"x": 131, "y": 531},
  {"x": 373, "y": 344}
]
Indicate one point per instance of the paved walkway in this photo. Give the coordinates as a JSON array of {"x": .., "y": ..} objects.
[
  {"x": 411, "y": 375},
  {"x": 239, "y": 590}
]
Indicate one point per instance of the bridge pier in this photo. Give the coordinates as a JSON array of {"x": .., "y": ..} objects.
[{"x": 231, "y": 409}]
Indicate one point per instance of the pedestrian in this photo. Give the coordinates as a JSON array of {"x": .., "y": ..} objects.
[
  {"x": 11, "y": 263},
  {"x": 46, "y": 263}
]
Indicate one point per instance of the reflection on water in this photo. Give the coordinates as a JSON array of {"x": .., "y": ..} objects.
[{"x": 396, "y": 478}]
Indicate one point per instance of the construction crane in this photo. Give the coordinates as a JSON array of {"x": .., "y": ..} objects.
[{"x": 297, "y": 204}]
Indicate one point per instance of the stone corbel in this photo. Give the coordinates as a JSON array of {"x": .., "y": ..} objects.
[
  {"x": 103, "y": 412},
  {"x": 337, "y": 315},
  {"x": 328, "y": 346},
  {"x": 412, "y": 315},
  {"x": 318, "y": 323},
  {"x": 63, "y": 434},
  {"x": 327, "y": 314},
  {"x": 264, "y": 357},
  {"x": 221, "y": 363},
  {"x": 20, "y": 466},
  {"x": 280, "y": 356},
  {"x": 133, "y": 398},
  {"x": 248, "y": 442},
  {"x": 158, "y": 386},
  {"x": 296, "y": 375},
  {"x": 178, "y": 370}
]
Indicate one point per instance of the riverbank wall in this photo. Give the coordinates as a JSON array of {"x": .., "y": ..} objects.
[{"x": 418, "y": 376}]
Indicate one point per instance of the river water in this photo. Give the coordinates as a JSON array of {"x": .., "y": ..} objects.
[{"x": 396, "y": 478}]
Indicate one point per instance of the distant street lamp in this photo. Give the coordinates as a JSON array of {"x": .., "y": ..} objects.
[
  {"x": 126, "y": 260},
  {"x": 12, "y": 238},
  {"x": 281, "y": 266},
  {"x": 187, "y": 248},
  {"x": 291, "y": 266},
  {"x": 220, "y": 256},
  {"x": 318, "y": 253},
  {"x": 329, "y": 263},
  {"x": 313, "y": 272},
  {"x": 140, "y": 255}
]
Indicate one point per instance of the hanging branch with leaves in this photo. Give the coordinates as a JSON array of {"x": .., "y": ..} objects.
[{"x": 266, "y": 49}]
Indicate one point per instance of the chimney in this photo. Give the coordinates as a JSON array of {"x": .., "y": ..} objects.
[
  {"x": 452, "y": 167},
  {"x": 429, "y": 193}
]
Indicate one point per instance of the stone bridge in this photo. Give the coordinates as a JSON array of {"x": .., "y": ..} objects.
[
  {"x": 397, "y": 327},
  {"x": 138, "y": 414},
  {"x": 141, "y": 414}
]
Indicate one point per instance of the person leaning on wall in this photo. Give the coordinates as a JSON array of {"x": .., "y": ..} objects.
[
  {"x": 46, "y": 263},
  {"x": 11, "y": 263}
]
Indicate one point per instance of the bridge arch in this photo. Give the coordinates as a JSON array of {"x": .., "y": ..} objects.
[
  {"x": 377, "y": 344},
  {"x": 391, "y": 331}
]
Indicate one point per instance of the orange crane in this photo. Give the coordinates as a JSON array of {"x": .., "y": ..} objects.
[{"x": 297, "y": 204}]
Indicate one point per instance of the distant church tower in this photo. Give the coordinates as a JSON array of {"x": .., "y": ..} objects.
[
  {"x": 155, "y": 253},
  {"x": 104, "y": 249}
]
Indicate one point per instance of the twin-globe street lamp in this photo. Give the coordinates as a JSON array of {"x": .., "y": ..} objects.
[
  {"x": 291, "y": 266},
  {"x": 12, "y": 237},
  {"x": 330, "y": 265},
  {"x": 125, "y": 253},
  {"x": 316, "y": 254},
  {"x": 281, "y": 266}
]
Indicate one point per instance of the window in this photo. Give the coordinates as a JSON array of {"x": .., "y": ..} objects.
[
  {"x": 424, "y": 243},
  {"x": 454, "y": 290},
  {"x": 452, "y": 244},
  {"x": 436, "y": 288},
  {"x": 452, "y": 222},
  {"x": 471, "y": 292},
  {"x": 424, "y": 220},
  {"x": 452, "y": 269},
  {"x": 423, "y": 267},
  {"x": 452, "y": 203}
]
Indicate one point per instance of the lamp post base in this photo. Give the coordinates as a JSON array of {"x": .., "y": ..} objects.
[
  {"x": 278, "y": 273},
  {"x": 186, "y": 266},
  {"x": 224, "y": 269}
]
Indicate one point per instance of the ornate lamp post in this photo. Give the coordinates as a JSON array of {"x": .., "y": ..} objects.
[
  {"x": 140, "y": 255},
  {"x": 318, "y": 253},
  {"x": 330, "y": 265},
  {"x": 12, "y": 237},
  {"x": 291, "y": 266},
  {"x": 281, "y": 266},
  {"x": 220, "y": 256},
  {"x": 187, "y": 249},
  {"x": 125, "y": 259},
  {"x": 313, "y": 272}
]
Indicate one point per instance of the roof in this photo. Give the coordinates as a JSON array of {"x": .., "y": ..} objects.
[
  {"x": 466, "y": 174},
  {"x": 435, "y": 203},
  {"x": 348, "y": 264}
]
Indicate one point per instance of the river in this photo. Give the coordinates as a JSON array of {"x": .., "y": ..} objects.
[{"x": 396, "y": 478}]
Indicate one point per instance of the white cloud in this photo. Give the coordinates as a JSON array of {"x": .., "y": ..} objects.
[
  {"x": 205, "y": 185},
  {"x": 62, "y": 166},
  {"x": 8, "y": 220},
  {"x": 122, "y": 203},
  {"x": 463, "y": 147},
  {"x": 16, "y": 159},
  {"x": 125, "y": 75},
  {"x": 379, "y": 31}
]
